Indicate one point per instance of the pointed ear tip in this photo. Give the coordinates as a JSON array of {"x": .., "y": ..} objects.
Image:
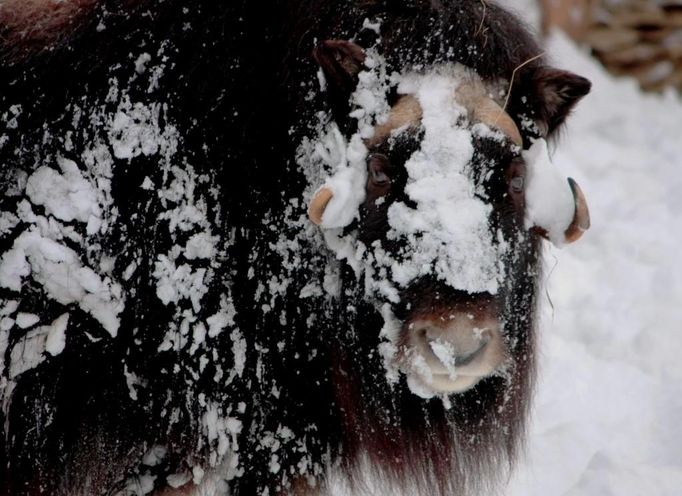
[
  {"x": 322, "y": 46},
  {"x": 581, "y": 85},
  {"x": 335, "y": 49},
  {"x": 319, "y": 48},
  {"x": 326, "y": 44}
]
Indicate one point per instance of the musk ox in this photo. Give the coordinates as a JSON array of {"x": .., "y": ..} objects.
[{"x": 273, "y": 247}]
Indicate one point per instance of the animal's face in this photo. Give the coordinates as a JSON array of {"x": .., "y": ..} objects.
[
  {"x": 443, "y": 209},
  {"x": 442, "y": 227}
]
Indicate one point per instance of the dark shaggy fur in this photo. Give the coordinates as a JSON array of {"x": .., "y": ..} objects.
[{"x": 236, "y": 79}]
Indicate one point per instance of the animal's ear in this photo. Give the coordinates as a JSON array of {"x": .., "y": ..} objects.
[
  {"x": 558, "y": 92},
  {"x": 341, "y": 61}
]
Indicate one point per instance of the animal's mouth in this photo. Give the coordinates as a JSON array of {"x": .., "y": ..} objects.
[{"x": 451, "y": 356}]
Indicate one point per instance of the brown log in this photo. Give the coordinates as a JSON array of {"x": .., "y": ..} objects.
[
  {"x": 653, "y": 74},
  {"x": 608, "y": 39},
  {"x": 633, "y": 55},
  {"x": 572, "y": 16}
]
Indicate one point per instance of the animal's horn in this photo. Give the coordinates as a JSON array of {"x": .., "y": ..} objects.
[
  {"x": 318, "y": 204},
  {"x": 490, "y": 113},
  {"x": 581, "y": 218},
  {"x": 486, "y": 110},
  {"x": 555, "y": 207}
]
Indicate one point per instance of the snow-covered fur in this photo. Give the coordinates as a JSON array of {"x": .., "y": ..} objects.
[{"x": 169, "y": 314}]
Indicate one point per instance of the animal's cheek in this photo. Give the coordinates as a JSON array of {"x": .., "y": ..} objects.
[
  {"x": 373, "y": 223},
  {"x": 451, "y": 354}
]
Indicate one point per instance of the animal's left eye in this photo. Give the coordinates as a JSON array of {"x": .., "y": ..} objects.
[
  {"x": 378, "y": 168},
  {"x": 516, "y": 174},
  {"x": 516, "y": 184}
]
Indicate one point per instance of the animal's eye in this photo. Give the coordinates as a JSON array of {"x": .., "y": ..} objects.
[
  {"x": 378, "y": 166},
  {"x": 516, "y": 175},
  {"x": 516, "y": 184}
]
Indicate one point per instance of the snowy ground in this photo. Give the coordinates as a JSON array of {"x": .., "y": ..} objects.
[{"x": 608, "y": 413}]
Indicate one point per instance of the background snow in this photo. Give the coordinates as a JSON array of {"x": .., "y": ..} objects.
[{"x": 607, "y": 414}]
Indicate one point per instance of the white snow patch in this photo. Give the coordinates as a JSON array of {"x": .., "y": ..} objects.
[
  {"x": 239, "y": 352},
  {"x": 8, "y": 221},
  {"x": 58, "y": 270},
  {"x": 134, "y": 130},
  {"x": 177, "y": 480},
  {"x": 388, "y": 348},
  {"x": 446, "y": 353},
  {"x": 549, "y": 200},
  {"x": 9, "y": 307},
  {"x": 29, "y": 351},
  {"x": 67, "y": 196},
  {"x": 201, "y": 245},
  {"x": 147, "y": 184},
  {"x": 6, "y": 324},
  {"x": 177, "y": 283},
  {"x": 221, "y": 431},
  {"x": 447, "y": 234},
  {"x": 141, "y": 62},
  {"x": 155, "y": 456},
  {"x": 132, "y": 381},
  {"x": 56, "y": 336},
  {"x": 223, "y": 318}
]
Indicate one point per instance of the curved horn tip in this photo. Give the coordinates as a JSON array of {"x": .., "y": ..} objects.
[
  {"x": 318, "y": 204},
  {"x": 581, "y": 218}
]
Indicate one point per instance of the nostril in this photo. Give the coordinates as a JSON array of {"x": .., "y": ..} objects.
[{"x": 423, "y": 333}]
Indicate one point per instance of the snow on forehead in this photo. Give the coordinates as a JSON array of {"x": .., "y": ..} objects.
[
  {"x": 447, "y": 234},
  {"x": 446, "y": 143}
]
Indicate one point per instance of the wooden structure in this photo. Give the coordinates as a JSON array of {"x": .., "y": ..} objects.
[{"x": 640, "y": 38}]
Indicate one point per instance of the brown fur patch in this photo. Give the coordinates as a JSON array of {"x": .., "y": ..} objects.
[
  {"x": 443, "y": 309},
  {"x": 29, "y": 26}
]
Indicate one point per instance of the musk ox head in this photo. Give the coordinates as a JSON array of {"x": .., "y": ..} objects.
[
  {"x": 436, "y": 204},
  {"x": 432, "y": 183}
]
